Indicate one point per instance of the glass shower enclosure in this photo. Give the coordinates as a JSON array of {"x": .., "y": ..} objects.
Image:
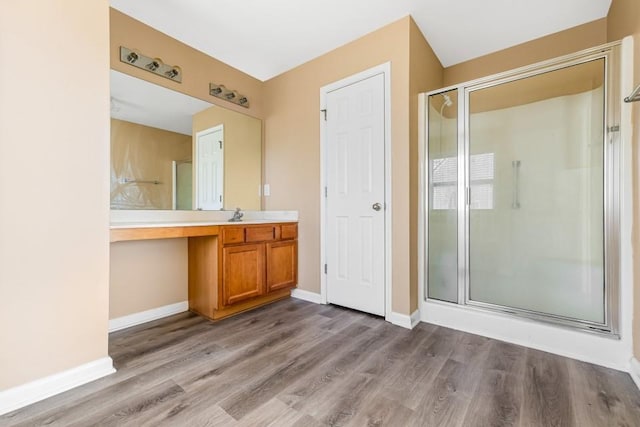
[{"x": 521, "y": 199}]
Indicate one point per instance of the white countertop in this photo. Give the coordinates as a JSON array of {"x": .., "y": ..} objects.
[
  {"x": 152, "y": 219},
  {"x": 119, "y": 225}
]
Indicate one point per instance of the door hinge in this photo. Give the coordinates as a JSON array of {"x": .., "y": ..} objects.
[
  {"x": 615, "y": 128},
  {"x": 220, "y": 142},
  {"x": 325, "y": 269},
  {"x": 324, "y": 111},
  {"x": 326, "y": 192},
  {"x": 221, "y": 197}
]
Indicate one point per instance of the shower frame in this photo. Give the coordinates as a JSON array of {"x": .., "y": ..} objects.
[{"x": 612, "y": 181}]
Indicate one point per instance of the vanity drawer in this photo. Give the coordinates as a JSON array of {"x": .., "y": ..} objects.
[
  {"x": 232, "y": 235},
  {"x": 260, "y": 234},
  {"x": 289, "y": 231}
]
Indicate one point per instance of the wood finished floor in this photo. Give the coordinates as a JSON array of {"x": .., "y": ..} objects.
[{"x": 295, "y": 363}]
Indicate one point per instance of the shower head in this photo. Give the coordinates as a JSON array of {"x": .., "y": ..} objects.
[{"x": 447, "y": 100}]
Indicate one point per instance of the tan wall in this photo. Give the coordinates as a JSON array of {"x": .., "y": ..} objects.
[
  {"x": 425, "y": 74},
  {"x": 144, "y": 153},
  {"x": 242, "y": 155},
  {"x": 198, "y": 69},
  {"x": 138, "y": 280},
  {"x": 54, "y": 187},
  {"x": 551, "y": 46},
  {"x": 624, "y": 20},
  {"x": 292, "y": 153}
]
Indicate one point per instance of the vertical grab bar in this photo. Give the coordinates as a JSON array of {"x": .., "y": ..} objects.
[{"x": 515, "y": 165}]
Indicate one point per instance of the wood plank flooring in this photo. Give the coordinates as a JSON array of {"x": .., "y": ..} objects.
[{"x": 294, "y": 363}]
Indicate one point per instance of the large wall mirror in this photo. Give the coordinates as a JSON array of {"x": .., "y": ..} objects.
[{"x": 172, "y": 151}]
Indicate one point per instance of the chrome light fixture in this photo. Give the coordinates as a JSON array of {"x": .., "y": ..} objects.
[
  {"x": 132, "y": 57},
  {"x": 172, "y": 73},
  {"x": 635, "y": 95},
  {"x": 215, "y": 90},
  {"x": 220, "y": 91},
  {"x": 153, "y": 65}
]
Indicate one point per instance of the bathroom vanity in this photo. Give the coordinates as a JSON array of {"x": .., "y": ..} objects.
[{"x": 232, "y": 267}]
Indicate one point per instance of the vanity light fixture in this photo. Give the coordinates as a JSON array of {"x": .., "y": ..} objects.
[
  {"x": 132, "y": 57},
  {"x": 219, "y": 91},
  {"x": 172, "y": 73},
  {"x": 215, "y": 90},
  {"x": 153, "y": 65}
]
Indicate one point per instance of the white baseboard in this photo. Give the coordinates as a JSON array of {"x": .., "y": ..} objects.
[
  {"x": 306, "y": 296},
  {"x": 403, "y": 320},
  {"x": 398, "y": 319},
  {"x": 415, "y": 318},
  {"x": 592, "y": 348},
  {"x": 147, "y": 316},
  {"x": 34, "y": 391},
  {"x": 634, "y": 371}
]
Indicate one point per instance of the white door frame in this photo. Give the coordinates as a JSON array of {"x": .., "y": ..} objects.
[
  {"x": 195, "y": 197},
  {"x": 384, "y": 69}
]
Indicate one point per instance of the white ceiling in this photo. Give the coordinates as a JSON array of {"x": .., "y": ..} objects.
[
  {"x": 138, "y": 101},
  {"x": 264, "y": 38}
]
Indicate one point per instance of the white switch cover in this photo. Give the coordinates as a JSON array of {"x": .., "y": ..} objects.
[{"x": 267, "y": 190}]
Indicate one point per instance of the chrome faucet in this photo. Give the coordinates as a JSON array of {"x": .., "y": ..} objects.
[{"x": 237, "y": 216}]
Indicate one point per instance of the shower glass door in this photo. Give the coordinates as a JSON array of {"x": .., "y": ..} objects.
[
  {"x": 535, "y": 210},
  {"x": 442, "y": 269}
]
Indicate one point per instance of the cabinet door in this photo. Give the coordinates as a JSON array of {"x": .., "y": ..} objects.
[
  {"x": 243, "y": 272},
  {"x": 282, "y": 265}
]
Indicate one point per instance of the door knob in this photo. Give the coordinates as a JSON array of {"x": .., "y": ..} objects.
[{"x": 376, "y": 206}]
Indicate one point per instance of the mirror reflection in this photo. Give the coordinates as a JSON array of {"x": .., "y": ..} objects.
[{"x": 172, "y": 151}]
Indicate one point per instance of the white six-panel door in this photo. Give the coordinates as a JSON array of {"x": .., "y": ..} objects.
[
  {"x": 210, "y": 168},
  {"x": 355, "y": 229}
]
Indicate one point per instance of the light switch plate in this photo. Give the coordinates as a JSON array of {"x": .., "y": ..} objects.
[{"x": 267, "y": 190}]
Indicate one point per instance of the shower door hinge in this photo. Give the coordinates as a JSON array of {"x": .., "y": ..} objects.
[
  {"x": 324, "y": 111},
  {"x": 325, "y": 269}
]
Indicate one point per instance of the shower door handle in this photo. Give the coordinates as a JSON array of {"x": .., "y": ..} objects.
[{"x": 515, "y": 166}]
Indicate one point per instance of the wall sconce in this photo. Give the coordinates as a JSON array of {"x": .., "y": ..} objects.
[
  {"x": 219, "y": 91},
  {"x": 154, "y": 65}
]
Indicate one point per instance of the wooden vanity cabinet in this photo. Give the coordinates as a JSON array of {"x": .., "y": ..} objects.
[
  {"x": 243, "y": 272},
  {"x": 282, "y": 265},
  {"x": 265, "y": 261},
  {"x": 256, "y": 264}
]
